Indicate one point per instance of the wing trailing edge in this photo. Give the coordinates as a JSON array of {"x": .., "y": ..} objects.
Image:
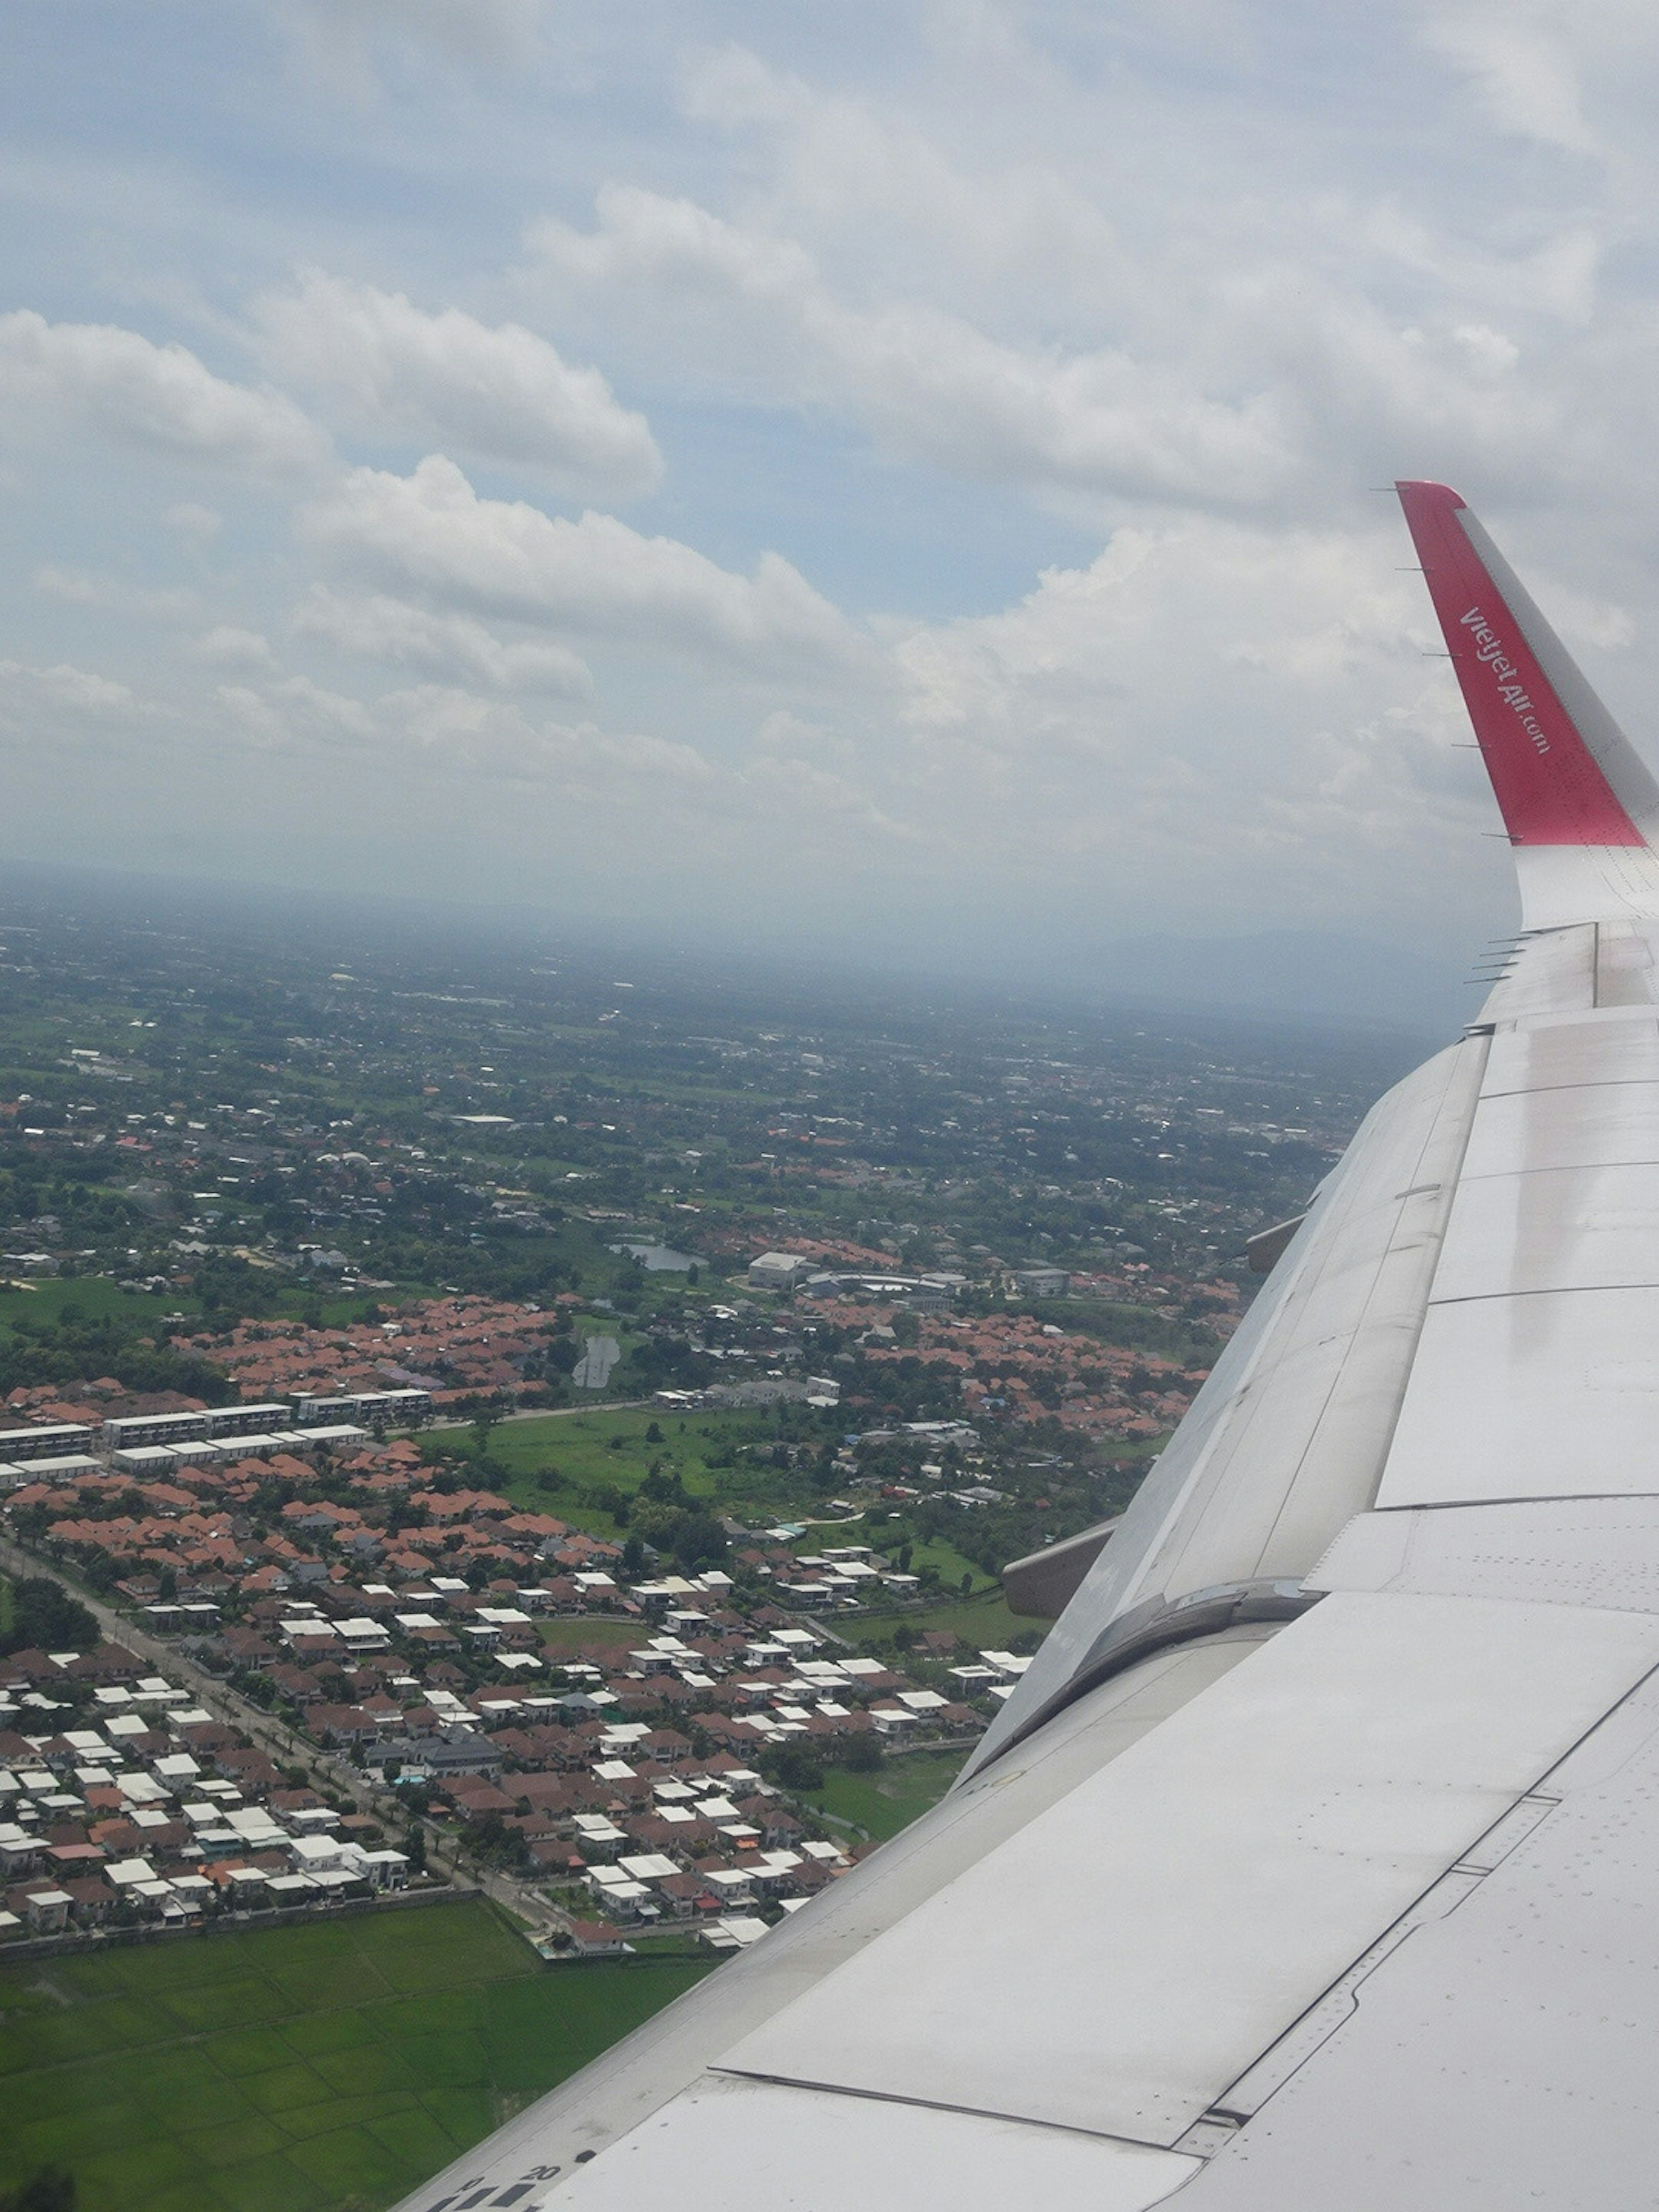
[{"x": 1579, "y": 805}]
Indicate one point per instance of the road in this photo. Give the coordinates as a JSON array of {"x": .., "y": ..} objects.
[{"x": 290, "y": 1748}]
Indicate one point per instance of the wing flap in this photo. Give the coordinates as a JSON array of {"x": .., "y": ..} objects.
[
  {"x": 1236, "y": 1861},
  {"x": 1502, "y": 2055},
  {"x": 836, "y": 2153}
]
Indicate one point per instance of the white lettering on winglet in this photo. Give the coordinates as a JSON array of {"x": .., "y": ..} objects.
[{"x": 1490, "y": 649}]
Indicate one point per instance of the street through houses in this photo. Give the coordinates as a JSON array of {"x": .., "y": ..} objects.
[{"x": 540, "y": 1918}]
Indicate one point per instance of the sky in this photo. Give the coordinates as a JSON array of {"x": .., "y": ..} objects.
[{"x": 904, "y": 480}]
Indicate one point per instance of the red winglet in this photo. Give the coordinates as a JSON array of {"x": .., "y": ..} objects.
[{"x": 1550, "y": 787}]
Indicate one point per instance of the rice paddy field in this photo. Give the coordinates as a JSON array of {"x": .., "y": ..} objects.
[{"x": 321, "y": 2067}]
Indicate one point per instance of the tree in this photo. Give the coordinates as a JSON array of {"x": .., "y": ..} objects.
[
  {"x": 46, "y": 1617},
  {"x": 792, "y": 1767},
  {"x": 698, "y": 1539},
  {"x": 493, "y": 1843},
  {"x": 653, "y": 1434},
  {"x": 860, "y": 1754}
]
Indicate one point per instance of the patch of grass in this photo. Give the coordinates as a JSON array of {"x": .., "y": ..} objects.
[
  {"x": 564, "y": 1639},
  {"x": 96, "y": 1298},
  {"x": 604, "y": 1449},
  {"x": 300, "y": 2068},
  {"x": 984, "y": 1622},
  {"x": 882, "y": 1803},
  {"x": 298, "y": 1302},
  {"x": 951, "y": 1566}
]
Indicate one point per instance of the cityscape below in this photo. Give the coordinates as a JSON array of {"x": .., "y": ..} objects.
[{"x": 489, "y": 1429}]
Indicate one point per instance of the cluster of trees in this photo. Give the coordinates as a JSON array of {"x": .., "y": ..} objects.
[
  {"x": 66, "y": 1190},
  {"x": 37, "y": 1615},
  {"x": 75, "y": 1345},
  {"x": 664, "y": 1361},
  {"x": 802, "y": 1768}
]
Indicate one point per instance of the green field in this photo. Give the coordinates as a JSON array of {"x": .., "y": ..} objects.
[
  {"x": 564, "y": 1638},
  {"x": 984, "y": 1622},
  {"x": 604, "y": 1449},
  {"x": 316, "y": 2069},
  {"x": 950, "y": 1563},
  {"x": 882, "y": 1803},
  {"x": 98, "y": 1299},
  {"x": 96, "y": 1296}
]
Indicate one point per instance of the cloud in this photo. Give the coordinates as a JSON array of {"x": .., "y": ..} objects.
[
  {"x": 1526, "y": 75},
  {"x": 81, "y": 587},
  {"x": 454, "y": 646},
  {"x": 815, "y": 802},
  {"x": 431, "y": 533},
  {"x": 197, "y": 525},
  {"x": 846, "y": 161},
  {"x": 789, "y": 733},
  {"x": 448, "y": 732},
  {"x": 348, "y": 50},
  {"x": 1206, "y": 699},
  {"x": 1091, "y": 327},
  {"x": 156, "y": 396},
  {"x": 1557, "y": 279},
  {"x": 447, "y": 379},
  {"x": 79, "y": 689},
  {"x": 228, "y": 646},
  {"x": 924, "y": 379},
  {"x": 1251, "y": 378}
]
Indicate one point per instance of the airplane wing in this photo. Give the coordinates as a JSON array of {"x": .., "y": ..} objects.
[{"x": 1315, "y": 1863}]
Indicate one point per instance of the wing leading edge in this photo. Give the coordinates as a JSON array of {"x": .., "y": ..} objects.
[{"x": 1363, "y": 1695}]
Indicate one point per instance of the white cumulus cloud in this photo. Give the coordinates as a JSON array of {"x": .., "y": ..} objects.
[
  {"x": 1222, "y": 699},
  {"x": 1526, "y": 73},
  {"x": 79, "y": 689},
  {"x": 83, "y": 587},
  {"x": 159, "y": 395},
  {"x": 431, "y": 532},
  {"x": 377, "y": 626},
  {"x": 447, "y": 379},
  {"x": 922, "y": 378},
  {"x": 229, "y": 645}
]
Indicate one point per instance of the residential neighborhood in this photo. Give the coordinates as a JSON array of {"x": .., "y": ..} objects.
[{"x": 627, "y": 1743}]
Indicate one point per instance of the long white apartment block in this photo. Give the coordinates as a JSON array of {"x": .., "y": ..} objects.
[
  {"x": 365, "y": 1405},
  {"x": 158, "y": 1459},
  {"x": 122, "y": 1432},
  {"x": 50, "y": 1442},
  {"x": 247, "y": 1420},
  {"x": 125, "y": 1430},
  {"x": 14, "y": 1474}
]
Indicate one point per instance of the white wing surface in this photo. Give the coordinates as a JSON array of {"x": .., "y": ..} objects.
[{"x": 1315, "y": 1861}]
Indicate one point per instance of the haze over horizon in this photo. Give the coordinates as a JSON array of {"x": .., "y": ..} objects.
[
  {"x": 1331, "y": 983},
  {"x": 905, "y": 490}
]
